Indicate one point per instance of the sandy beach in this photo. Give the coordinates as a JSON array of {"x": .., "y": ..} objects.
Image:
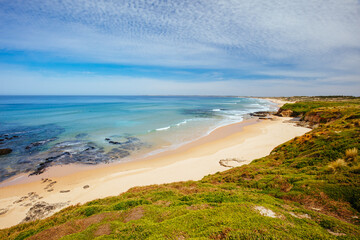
[
  {"x": 61, "y": 186},
  {"x": 279, "y": 102}
]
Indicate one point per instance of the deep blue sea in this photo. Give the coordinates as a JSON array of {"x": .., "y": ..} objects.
[{"x": 48, "y": 130}]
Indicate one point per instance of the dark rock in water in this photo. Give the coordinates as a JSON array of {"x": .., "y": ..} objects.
[
  {"x": 35, "y": 144},
  {"x": 33, "y": 156},
  {"x": 18, "y": 138},
  {"x": 8, "y": 137},
  {"x": 22, "y": 161},
  {"x": 40, "y": 143},
  {"x": 42, "y": 166},
  {"x": 81, "y": 135},
  {"x": 5, "y": 151},
  {"x": 262, "y": 114},
  {"x": 69, "y": 152},
  {"x": 131, "y": 143},
  {"x": 117, "y": 153},
  {"x": 1, "y": 139}
]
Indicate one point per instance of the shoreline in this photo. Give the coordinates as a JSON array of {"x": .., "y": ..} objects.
[
  {"x": 255, "y": 141},
  {"x": 72, "y": 168},
  {"x": 31, "y": 157},
  {"x": 72, "y": 184}
]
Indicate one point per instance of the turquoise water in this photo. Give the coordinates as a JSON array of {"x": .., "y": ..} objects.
[{"x": 93, "y": 129}]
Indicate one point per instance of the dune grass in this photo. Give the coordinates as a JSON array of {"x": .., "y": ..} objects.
[{"x": 337, "y": 165}]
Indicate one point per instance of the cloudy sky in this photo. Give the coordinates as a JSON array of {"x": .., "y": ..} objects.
[{"x": 217, "y": 47}]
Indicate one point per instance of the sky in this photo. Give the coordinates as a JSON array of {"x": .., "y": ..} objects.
[{"x": 180, "y": 47}]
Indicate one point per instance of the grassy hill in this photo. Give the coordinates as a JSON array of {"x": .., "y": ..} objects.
[{"x": 307, "y": 188}]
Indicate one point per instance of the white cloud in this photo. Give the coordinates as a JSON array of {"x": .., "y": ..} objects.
[
  {"x": 187, "y": 29},
  {"x": 21, "y": 81},
  {"x": 317, "y": 39}
]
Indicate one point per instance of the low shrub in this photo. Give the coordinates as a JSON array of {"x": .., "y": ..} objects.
[
  {"x": 129, "y": 204},
  {"x": 351, "y": 154},
  {"x": 336, "y": 165}
]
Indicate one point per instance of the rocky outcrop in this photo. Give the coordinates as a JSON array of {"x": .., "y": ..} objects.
[
  {"x": 42, "y": 166},
  {"x": 81, "y": 135},
  {"x": 39, "y": 143},
  {"x": 117, "y": 153},
  {"x": 285, "y": 113},
  {"x": 41, "y": 210},
  {"x": 317, "y": 117},
  {"x": 5, "y": 151},
  {"x": 130, "y": 143},
  {"x": 231, "y": 162},
  {"x": 311, "y": 119},
  {"x": 262, "y": 114},
  {"x": 7, "y": 137},
  {"x": 28, "y": 149}
]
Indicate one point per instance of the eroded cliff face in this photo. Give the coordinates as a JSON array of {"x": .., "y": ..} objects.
[
  {"x": 321, "y": 116},
  {"x": 313, "y": 118},
  {"x": 285, "y": 113}
]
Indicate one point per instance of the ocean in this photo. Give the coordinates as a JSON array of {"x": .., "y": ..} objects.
[{"x": 49, "y": 130}]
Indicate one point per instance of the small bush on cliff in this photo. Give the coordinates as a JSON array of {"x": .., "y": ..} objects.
[
  {"x": 337, "y": 165},
  {"x": 351, "y": 154}
]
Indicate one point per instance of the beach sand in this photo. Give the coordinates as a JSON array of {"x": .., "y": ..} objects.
[
  {"x": 279, "y": 102},
  {"x": 61, "y": 186}
]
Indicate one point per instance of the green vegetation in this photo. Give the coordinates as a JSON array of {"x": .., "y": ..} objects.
[
  {"x": 307, "y": 188},
  {"x": 328, "y": 109},
  {"x": 339, "y": 98}
]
